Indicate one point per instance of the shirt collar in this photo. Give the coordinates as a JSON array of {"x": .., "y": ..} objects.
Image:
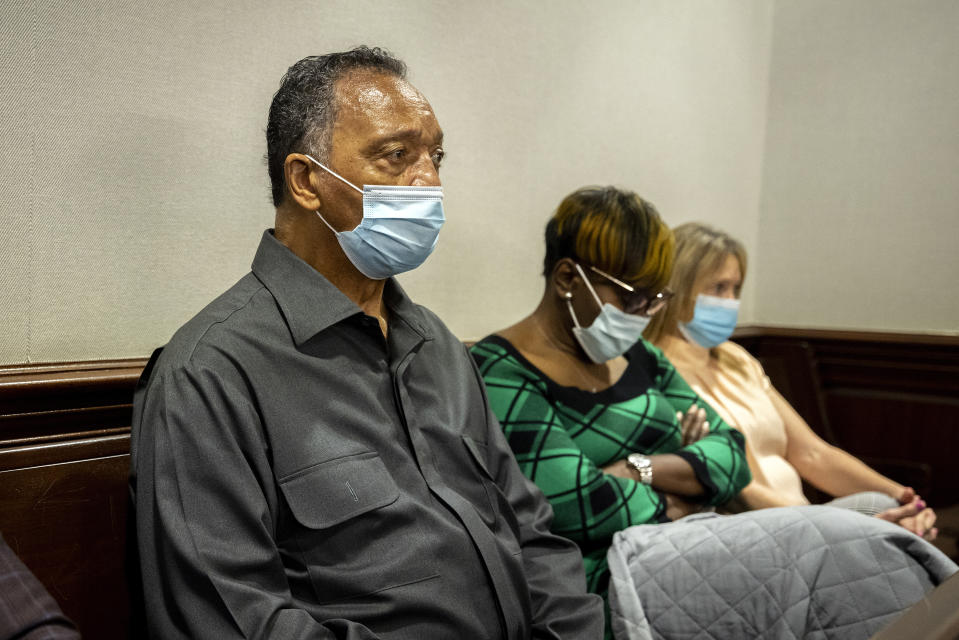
[{"x": 309, "y": 302}]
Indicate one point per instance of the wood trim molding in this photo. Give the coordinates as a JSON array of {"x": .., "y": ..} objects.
[
  {"x": 40, "y": 402},
  {"x": 44, "y": 403},
  {"x": 879, "y": 395},
  {"x": 917, "y": 364},
  {"x": 848, "y": 335}
]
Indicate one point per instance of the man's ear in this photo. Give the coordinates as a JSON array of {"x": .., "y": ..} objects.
[
  {"x": 300, "y": 184},
  {"x": 563, "y": 277}
]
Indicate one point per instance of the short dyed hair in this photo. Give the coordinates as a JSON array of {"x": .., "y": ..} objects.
[
  {"x": 304, "y": 107},
  {"x": 700, "y": 251},
  {"x": 615, "y": 231}
]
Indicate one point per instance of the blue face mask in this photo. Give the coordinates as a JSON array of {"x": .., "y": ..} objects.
[
  {"x": 714, "y": 320},
  {"x": 399, "y": 229},
  {"x": 613, "y": 331}
]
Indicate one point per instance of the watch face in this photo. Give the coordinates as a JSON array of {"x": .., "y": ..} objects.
[
  {"x": 643, "y": 465},
  {"x": 638, "y": 460}
]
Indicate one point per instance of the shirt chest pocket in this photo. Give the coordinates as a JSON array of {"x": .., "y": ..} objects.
[{"x": 352, "y": 529}]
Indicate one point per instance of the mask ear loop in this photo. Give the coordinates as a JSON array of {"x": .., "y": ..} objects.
[
  {"x": 338, "y": 177},
  {"x": 335, "y": 232},
  {"x": 332, "y": 173}
]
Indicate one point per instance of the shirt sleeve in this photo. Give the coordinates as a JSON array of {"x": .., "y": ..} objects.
[
  {"x": 561, "y": 607},
  {"x": 205, "y": 504},
  {"x": 27, "y": 610},
  {"x": 719, "y": 459},
  {"x": 590, "y": 506}
]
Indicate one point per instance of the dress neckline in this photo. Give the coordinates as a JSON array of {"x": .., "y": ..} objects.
[{"x": 625, "y": 388}]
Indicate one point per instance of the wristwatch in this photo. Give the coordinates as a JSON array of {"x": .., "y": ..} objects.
[{"x": 643, "y": 465}]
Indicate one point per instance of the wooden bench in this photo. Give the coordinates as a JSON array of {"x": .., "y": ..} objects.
[
  {"x": 64, "y": 461},
  {"x": 65, "y": 438}
]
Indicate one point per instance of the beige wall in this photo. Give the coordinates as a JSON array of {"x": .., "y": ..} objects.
[
  {"x": 860, "y": 207},
  {"x": 133, "y": 188},
  {"x": 822, "y": 132}
]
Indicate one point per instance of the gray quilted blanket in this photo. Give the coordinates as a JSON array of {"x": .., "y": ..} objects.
[{"x": 811, "y": 572}]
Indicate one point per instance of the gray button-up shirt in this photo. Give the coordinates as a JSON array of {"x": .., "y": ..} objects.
[{"x": 296, "y": 475}]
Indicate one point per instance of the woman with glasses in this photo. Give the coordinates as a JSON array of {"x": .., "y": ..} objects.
[
  {"x": 596, "y": 416},
  {"x": 781, "y": 448}
]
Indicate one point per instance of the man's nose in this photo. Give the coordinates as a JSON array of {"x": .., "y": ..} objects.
[{"x": 424, "y": 172}]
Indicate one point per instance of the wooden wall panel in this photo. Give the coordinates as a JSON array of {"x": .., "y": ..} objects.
[
  {"x": 67, "y": 522},
  {"x": 889, "y": 399},
  {"x": 64, "y": 461},
  {"x": 44, "y": 403},
  {"x": 892, "y": 399},
  {"x": 900, "y": 426}
]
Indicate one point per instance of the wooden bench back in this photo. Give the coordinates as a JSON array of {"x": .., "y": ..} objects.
[{"x": 64, "y": 461}]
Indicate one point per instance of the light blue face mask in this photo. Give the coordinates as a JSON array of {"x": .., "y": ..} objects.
[
  {"x": 613, "y": 331},
  {"x": 399, "y": 229},
  {"x": 714, "y": 320}
]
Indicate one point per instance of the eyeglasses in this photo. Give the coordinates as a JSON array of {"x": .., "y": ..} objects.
[{"x": 638, "y": 301}]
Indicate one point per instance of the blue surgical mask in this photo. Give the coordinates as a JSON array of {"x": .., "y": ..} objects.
[
  {"x": 399, "y": 229},
  {"x": 613, "y": 331},
  {"x": 714, "y": 320}
]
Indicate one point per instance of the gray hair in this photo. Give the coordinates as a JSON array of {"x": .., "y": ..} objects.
[{"x": 304, "y": 107}]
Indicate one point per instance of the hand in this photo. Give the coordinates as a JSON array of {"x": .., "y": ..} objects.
[
  {"x": 677, "y": 507},
  {"x": 693, "y": 425},
  {"x": 914, "y": 516}
]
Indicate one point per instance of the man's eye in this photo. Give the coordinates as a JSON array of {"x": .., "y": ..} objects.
[
  {"x": 438, "y": 156},
  {"x": 396, "y": 155}
]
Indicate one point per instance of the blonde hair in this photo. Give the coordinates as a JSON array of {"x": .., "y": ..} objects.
[
  {"x": 613, "y": 230},
  {"x": 700, "y": 251}
]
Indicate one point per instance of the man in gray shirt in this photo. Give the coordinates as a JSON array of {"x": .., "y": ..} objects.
[{"x": 313, "y": 455}]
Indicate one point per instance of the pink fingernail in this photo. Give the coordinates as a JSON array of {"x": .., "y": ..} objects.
[{"x": 922, "y": 504}]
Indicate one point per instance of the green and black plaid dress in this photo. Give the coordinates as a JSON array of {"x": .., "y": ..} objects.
[{"x": 562, "y": 436}]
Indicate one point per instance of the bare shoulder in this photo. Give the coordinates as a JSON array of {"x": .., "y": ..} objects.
[
  {"x": 736, "y": 352},
  {"x": 521, "y": 335},
  {"x": 732, "y": 356},
  {"x": 512, "y": 333}
]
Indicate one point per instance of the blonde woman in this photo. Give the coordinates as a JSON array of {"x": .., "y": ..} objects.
[{"x": 781, "y": 449}]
